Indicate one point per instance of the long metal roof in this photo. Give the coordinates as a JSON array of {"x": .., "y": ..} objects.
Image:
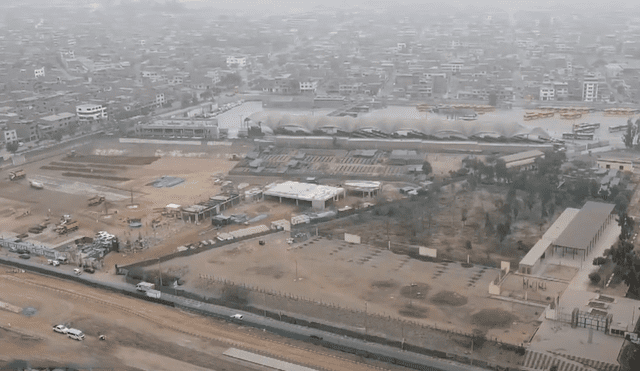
[{"x": 583, "y": 228}]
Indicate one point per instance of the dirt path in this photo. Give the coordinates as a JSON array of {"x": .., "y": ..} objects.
[{"x": 99, "y": 311}]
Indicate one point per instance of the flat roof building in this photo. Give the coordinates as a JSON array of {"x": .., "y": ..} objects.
[
  {"x": 583, "y": 232},
  {"x": 532, "y": 261},
  {"x": 316, "y": 195},
  {"x": 180, "y": 128},
  {"x": 522, "y": 160},
  {"x": 615, "y": 163}
]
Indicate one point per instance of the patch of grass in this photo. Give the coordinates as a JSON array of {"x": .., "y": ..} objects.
[
  {"x": 449, "y": 298},
  {"x": 493, "y": 318}
]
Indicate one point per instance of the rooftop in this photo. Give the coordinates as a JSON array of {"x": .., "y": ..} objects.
[
  {"x": 58, "y": 116},
  {"x": 579, "y": 233},
  {"x": 303, "y": 191},
  {"x": 522, "y": 156},
  {"x": 549, "y": 236}
]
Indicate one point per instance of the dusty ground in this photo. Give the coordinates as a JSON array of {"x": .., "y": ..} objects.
[
  {"x": 359, "y": 276},
  {"x": 140, "y": 335}
]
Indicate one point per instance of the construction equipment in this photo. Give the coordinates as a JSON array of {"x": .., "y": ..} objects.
[
  {"x": 17, "y": 174},
  {"x": 96, "y": 200},
  {"x": 67, "y": 227},
  {"x": 37, "y": 229},
  {"x": 36, "y": 185}
]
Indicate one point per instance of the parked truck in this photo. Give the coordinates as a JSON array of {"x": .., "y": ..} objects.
[
  {"x": 96, "y": 200},
  {"x": 145, "y": 286},
  {"x": 67, "y": 227},
  {"x": 153, "y": 294},
  {"x": 17, "y": 174}
]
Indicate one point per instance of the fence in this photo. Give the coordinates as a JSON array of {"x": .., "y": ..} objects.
[
  {"x": 380, "y": 327},
  {"x": 125, "y": 269},
  {"x": 283, "y": 318}
]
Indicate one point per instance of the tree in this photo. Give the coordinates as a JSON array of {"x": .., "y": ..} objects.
[
  {"x": 57, "y": 136},
  {"x": 488, "y": 225},
  {"x": 629, "y": 137},
  {"x": 503, "y": 229},
  {"x": 12, "y": 146},
  {"x": 464, "y": 216},
  {"x": 468, "y": 245},
  {"x": 595, "y": 278},
  {"x": 501, "y": 170},
  {"x": 426, "y": 168},
  {"x": 599, "y": 260}
]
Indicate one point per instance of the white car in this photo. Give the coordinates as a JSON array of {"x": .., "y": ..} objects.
[
  {"x": 55, "y": 263},
  {"x": 61, "y": 329},
  {"x": 237, "y": 316},
  {"x": 77, "y": 271}
]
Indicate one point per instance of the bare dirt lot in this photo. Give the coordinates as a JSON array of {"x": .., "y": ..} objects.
[
  {"x": 140, "y": 335},
  {"x": 355, "y": 279}
]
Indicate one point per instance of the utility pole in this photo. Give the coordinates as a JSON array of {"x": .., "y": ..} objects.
[
  {"x": 365, "y": 318},
  {"x": 296, "y": 270},
  {"x": 160, "y": 271}
]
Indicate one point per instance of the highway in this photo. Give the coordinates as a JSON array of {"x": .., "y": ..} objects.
[{"x": 250, "y": 319}]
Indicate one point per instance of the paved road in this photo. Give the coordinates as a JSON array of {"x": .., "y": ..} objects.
[{"x": 257, "y": 321}]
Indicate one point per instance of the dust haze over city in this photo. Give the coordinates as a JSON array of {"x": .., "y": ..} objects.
[{"x": 319, "y": 185}]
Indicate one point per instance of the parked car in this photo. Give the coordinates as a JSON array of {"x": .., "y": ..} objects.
[
  {"x": 25, "y": 256},
  {"x": 237, "y": 316},
  {"x": 55, "y": 263},
  {"x": 61, "y": 329},
  {"x": 77, "y": 271},
  {"x": 89, "y": 269}
]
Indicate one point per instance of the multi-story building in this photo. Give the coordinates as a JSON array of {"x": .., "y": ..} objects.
[
  {"x": 308, "y": 86},
  {"x": 180, "y": 128},
  {"x": 26, "y": 130},
  {"x": 57, "y": 122},
  {"x": 233, "y": 61},
  {"x": 91, "y": 112},
  {"x": 214, "y": 75},
  {"x": 453, "y": 66},
  {"x": 547, "y": 92},
  {"x": 10, "y": 136},
  {"x": 590, "y": 88}
]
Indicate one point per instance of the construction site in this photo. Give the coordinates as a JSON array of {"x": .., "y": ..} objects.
[{"x": 328, "y": 234}]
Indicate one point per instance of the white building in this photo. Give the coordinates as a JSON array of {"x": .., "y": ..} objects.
[
  {"x": 316, "y": 195},
  {"x": 91, "y": 112},
  {"x": 236, "y": 61},
  {"x": 547, "y": 92},
  {"x": 10, "y": 136},
  {"x": 308, "y": 86},
  {"x": 39, "y": 72},
  {"x": 590, "y": 88},
  {"x": 453, "y": 66}
]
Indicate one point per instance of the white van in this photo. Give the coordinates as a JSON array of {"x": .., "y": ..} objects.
[{"x": 75, "y": 334}]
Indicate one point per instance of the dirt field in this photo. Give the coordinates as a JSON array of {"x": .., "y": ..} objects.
[
  {"x": 355, "y": 277},
  {"x": 140, "y": 335}
]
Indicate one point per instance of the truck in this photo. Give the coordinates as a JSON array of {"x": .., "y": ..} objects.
[
  {"x": 145, "y": 286},
  {"x": 17, "y": 174},
  {"x": 67, "y": 227},
  {"x": 96, "y": 200},
  {"x": 154, "y": 294}
]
